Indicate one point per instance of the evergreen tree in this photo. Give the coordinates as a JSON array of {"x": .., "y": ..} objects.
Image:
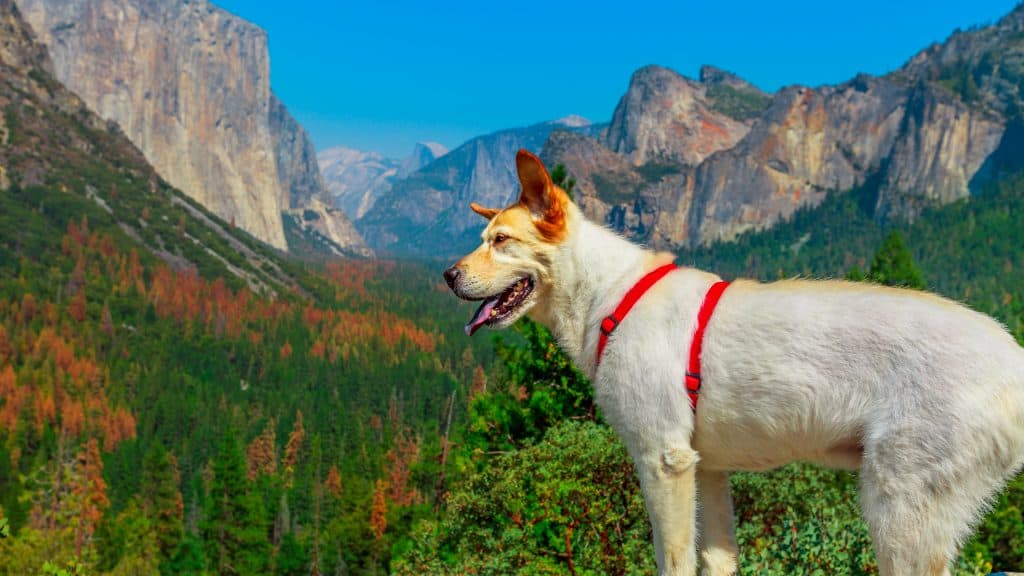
[
  {"x": 561, "y": 178},
  {"x": 292, "y": 559},
  {"x": 235, "y": 527},
  {"x": 894, "y": 265},
  {"x": 161, "y": 499},
  {"x": 542, "y": 387}
]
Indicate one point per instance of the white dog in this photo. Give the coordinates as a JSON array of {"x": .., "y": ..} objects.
[{"x": 920, "y": 394}]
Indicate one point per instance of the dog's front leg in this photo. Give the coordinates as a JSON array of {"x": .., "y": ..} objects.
[
  {"x": 718, "y": 537},
  {"x": 667, "y": 480}
]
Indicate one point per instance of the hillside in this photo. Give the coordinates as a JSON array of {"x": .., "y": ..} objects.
[{"x": 158, "y": 364}]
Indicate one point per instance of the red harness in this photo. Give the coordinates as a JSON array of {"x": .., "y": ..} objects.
[{"x": 612, "y": 321}]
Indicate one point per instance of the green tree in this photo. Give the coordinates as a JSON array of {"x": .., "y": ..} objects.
[
  {"x": 893, "y": 265},
  {"x": 133, "y": 534},
  {"x": 161, "y": 498},
  {"x": 235, "y": 529},
  {"x": 188, "y": 559},
  {"x": 561, "y": 178},
  {"x": 292, "y": 559},
  {"x": 541, "y": 387}
]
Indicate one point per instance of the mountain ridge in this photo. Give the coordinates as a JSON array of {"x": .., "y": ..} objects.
[{"x": 929, "y": 133}]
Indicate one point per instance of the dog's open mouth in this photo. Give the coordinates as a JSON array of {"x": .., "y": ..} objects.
[{"x": 497, "y": 308}]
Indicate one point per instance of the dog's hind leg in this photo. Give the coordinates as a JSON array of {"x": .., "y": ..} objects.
[
  {"x": 667, "y": 478},
  {"x": 920, "y": 493},
  {"x": 715, "y": 518}
]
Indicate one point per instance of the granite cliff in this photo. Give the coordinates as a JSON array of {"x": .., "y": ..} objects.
[
  {"x": 62, "y": 165},
  {"x": 189, "y": 84},
  {"x": 687, "y": 162}
]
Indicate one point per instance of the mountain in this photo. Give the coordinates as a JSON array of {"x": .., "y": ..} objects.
[
  {"x": 666, "y": 117},
  {"x": 189, "y": 84},
  {"x": 930, "y": 133},
  {"x": 355, "y": 179},
  {"x": 426, "y": 213}
]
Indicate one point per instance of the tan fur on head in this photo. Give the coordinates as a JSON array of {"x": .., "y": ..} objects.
[
  {"x": 487, "y": 213},
  {"x": 541, "y": 197},
  {"x": 544, "y": 201}
]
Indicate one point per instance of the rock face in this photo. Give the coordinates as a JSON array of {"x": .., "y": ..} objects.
[
  {"x": 297, "y": 170},
  {"x": 356, "y": 179},
  {"x": 927, "y": 134},
  {"x": 665, "y": 117},
  {"x": 422, "y": 154},
  {"x": 189, "y": 84},
  {"x": 326, "y": 231},
  {"x": 18, "y": 49},
  {"x": 427, "y": 214}
]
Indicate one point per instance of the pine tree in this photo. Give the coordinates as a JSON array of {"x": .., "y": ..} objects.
[
  {"x": 235, "y": 527},
  {"x": 291, "y": 557},
  {"x": 561, "y": 178},
  {"x": 293, "y": 447},
  {"x": 91, "y": 491},
  {"x": 333, "y": 482},
  {"x": 379, "y": 511},
  {"x": 261, "y": 456},
  {"x": 893, "y": 265},
  {"x": 161, "y": 499}
]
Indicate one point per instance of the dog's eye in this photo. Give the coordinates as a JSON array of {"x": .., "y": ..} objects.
[{"x": 499, "y": 238}]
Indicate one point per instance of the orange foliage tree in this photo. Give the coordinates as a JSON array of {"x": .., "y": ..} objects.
[
  {"x": 379, "y": 511},
  {"x": 261, "y": 455}
]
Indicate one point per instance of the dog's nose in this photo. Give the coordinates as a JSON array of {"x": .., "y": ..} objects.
[{"x": 451, "y": 276}]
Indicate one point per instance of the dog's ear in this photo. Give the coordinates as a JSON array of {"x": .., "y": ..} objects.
[
  {"x": 536, "y": 183},
  {"x": 487, "y": 213},
  {"x": 545, "y": 201}
]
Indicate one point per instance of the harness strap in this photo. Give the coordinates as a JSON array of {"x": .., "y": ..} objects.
[
  {"x": 693, "y": 367},
  {"x": 612, "y": 321}
]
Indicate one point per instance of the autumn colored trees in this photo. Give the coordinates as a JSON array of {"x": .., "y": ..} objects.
[{"x": 121, "y": 378}]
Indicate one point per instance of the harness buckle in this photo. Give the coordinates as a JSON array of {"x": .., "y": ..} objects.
[{"x": 609, "y": 324}]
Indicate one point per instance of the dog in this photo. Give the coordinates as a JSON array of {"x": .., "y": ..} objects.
[{"x": 921, "y": 395}]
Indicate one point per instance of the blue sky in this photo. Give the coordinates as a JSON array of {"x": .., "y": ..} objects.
[{"x": 382, "y": 75}]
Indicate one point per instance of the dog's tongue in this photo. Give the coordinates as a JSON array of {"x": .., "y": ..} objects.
[{"x": 481, "y": 316}]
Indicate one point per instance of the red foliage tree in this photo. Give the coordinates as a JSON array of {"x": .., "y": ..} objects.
[
  {"x": 261, "y": 455},
  {"x": 91, "y": 490},
  {"x": 379, "y": 511},
  {"x": 333, "y": 482}
]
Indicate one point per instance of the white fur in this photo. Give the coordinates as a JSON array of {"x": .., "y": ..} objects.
[{"x": 924, "y": 396}]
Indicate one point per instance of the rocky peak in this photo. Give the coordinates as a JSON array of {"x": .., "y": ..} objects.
[
  {"x": 573, "y": 121},
  {"x": 713, "y": 76},
  {"x": 665, "y": 117},
  {"x": 984, "y": 66},
  {"x": 423, "y": 153}
]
